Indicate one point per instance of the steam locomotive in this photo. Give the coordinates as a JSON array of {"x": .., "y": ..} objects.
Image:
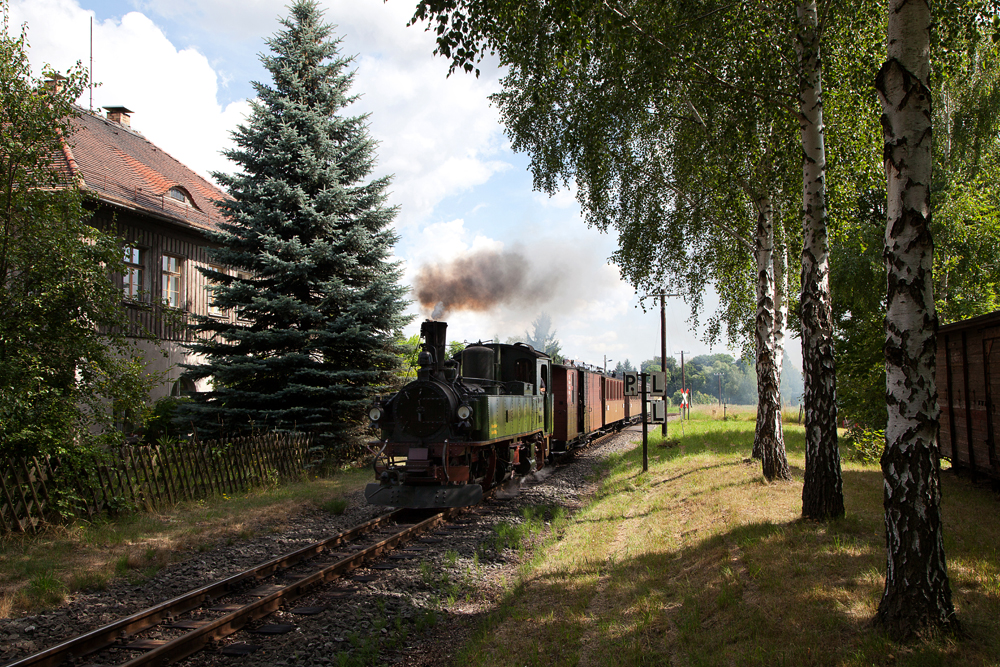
[{"x": 491, "y": 412}]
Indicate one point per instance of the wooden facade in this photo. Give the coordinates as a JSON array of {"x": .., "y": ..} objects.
[
  {"x": 968, "y": 383},
  {"x": 162, "y": 210}
]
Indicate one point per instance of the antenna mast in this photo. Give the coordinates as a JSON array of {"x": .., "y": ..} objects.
[{"x": 91, "y": 74}]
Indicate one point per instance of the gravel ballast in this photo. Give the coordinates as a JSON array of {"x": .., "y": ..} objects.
[{"x": 417, "y": 614}]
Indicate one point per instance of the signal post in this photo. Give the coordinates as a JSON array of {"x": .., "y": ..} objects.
[{"x": 635, "y": 384}]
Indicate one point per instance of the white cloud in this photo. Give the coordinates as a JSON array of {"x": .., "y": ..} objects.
[
  {"x": 437, "y": 135},
  {"x": 563, "y": 198},
  {"x": 171, "y": 91}
]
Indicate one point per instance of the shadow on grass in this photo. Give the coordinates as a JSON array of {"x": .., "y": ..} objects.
[
  {"x": 795, "y": 593},
  {"x": 764, "y": 592}
]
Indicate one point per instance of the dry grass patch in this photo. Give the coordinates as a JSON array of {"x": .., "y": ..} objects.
[
  {"x": 40, "y": 571},
  {"x": 700, "y": 562}
]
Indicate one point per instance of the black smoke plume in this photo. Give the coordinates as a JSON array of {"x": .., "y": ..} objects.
[{"x": 480, "y": 281}]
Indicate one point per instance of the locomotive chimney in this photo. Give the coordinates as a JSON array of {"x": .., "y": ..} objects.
[{"x": 435, "y": 335}]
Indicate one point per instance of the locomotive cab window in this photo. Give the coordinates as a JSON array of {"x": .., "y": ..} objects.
[{"x": 522, "y": 371}]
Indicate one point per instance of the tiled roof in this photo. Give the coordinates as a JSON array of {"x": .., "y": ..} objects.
[{"x": 123, "y": 167}]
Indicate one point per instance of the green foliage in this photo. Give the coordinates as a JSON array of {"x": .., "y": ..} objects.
[
  {"x": 336, "y": 506},
  {"x": 965, "y": 205},
  {"x": 409, "y": 354},
  {"x": 859, "y": 313},
  {"x": 624, "y": 367},
  {"x": 65, "y": 367},
  {"x": 864, "y": 445},
  {"x": 162, "y": 421},
  {"x": 318, "y": 299}
]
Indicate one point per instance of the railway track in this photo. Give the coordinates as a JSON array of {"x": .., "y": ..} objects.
[
  {"x": 178, "y": 628},
  {"x": 182, "y": 626}
]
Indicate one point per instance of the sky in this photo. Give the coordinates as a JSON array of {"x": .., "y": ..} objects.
[{"x": 186, "y": 67}]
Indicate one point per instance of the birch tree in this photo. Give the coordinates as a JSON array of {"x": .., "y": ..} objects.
[
  {"x": 822, "y": 490},
  {"x": 917, "y": 594},
  {"x": 592, "y": 96}
]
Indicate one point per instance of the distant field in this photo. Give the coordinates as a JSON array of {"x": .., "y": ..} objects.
[{"x": 700, "y": 562}]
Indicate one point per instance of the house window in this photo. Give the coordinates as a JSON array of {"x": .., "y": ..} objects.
[
  {"x": 171, "y": 281},
  {"x": 181, "y": 195},
  {"x": 132, "y": 274},
  {"x": 214, "y": 310}
]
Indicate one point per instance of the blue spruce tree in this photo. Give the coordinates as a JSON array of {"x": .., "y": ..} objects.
[{"x": 307, "y": 242}]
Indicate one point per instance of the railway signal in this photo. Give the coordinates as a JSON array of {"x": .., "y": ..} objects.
[
  {"x": 659, "y": 411},
  {"x": 658, "y": 384},
  {"x": 631, "y": 383}
]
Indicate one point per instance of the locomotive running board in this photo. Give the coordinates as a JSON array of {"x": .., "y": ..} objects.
[{"x": 424, "y": 497}]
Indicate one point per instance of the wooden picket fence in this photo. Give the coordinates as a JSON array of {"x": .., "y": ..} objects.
[{"x": 46, "y": 489}]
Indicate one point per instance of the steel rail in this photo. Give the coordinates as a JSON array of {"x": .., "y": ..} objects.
[
  {"x": 197, "y": 639},
  {"x": 108, "y": 635}
]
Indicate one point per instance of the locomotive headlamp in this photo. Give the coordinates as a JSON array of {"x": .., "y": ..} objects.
[
  {"x": 375, "y": 413},
  {"x": 464, "y": 411}
]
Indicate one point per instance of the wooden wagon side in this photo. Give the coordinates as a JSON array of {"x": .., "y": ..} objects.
[{"x": 968, "y": 379}]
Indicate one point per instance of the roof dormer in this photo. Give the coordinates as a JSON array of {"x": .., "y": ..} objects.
[{"x": 181, "y": 195}]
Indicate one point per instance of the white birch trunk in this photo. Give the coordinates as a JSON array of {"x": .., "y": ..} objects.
[
  {"x": 769, "y": 445},
  {"x": 822, "y": 490},
  {"x": 917, "y": 594},
  {"x": 780, "y": 299}
]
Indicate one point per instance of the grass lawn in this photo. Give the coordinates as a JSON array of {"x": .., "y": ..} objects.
[
  {"x": 700, "y": 562},
  {"x": 38, "y": 571}
]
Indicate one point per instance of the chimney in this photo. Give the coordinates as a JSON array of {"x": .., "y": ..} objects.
[
  {"x": 54, "y": 83},
  {"x": 119, "y": 115}
]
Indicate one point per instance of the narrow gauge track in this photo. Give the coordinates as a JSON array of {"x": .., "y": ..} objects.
[
  {"x": 121, "y": 637},
  {"x": 121, "y": 642}
]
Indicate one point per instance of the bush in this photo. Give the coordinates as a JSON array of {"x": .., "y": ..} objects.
[
  {"x": 163, "y": 420},
  {"x": 864, "y": 445}
]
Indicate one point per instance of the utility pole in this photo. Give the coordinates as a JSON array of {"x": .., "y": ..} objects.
[
  {"x": 720, "y": 376},
  {"x": 663, "y": 344},
  {"x": 663, "y": 359}
]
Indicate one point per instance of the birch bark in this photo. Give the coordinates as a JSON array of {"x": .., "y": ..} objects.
[
  {"x": 822, "y": 491},
  {"x": 769, "y": 445},
  {"x": 917, "y": 594}
]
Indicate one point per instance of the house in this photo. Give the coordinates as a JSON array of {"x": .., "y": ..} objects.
[{"x": 162, "y": 210}]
